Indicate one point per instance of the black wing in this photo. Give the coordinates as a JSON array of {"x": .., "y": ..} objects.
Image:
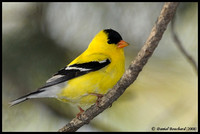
[{"x": 74, "y": 71}]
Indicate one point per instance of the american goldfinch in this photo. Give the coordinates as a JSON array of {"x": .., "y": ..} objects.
[{"x": 89, "y": 76}]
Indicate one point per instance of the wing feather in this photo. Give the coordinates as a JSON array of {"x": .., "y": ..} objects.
[{"x": 74, "y": 71}]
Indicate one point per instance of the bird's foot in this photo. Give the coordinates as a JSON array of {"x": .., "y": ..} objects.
[
  {"x": 99, "y": 96},
  {"x": 79, "y": 114}
]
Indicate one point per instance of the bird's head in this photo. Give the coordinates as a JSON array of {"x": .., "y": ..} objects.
[
  {"x": 108, "y": 39},
  {"x": 113, "y": 37}
]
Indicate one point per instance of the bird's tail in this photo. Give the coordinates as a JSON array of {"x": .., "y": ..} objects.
[
  {"x": 43, "y": 92},
  {"x": 36, "y": 94}
]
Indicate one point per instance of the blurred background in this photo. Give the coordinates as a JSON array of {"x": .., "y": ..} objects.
[{"x": 41, "y": 38}]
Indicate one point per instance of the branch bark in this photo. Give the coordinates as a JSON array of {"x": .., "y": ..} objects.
[{"x": 131, "y": 73}]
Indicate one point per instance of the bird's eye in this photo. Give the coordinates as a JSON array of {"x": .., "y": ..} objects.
[{"x": 109, "y": 42}]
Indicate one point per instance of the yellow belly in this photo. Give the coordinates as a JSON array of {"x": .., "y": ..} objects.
[{"x": 77, "y": 89}]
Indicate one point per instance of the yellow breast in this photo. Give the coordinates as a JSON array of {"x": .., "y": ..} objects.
[{"x": 76, "y": 91}]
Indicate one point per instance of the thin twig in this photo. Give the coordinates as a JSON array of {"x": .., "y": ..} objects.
[
  {"x": 131, "y": 73},
  {"x": 181, "y": 48}
]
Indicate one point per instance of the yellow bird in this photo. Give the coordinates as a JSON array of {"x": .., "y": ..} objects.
[{"x": 89, "y": 76}]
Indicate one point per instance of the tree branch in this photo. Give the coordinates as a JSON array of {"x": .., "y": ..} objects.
[
  {"x": 181, "y": 48},
  {"x": 131, "y": 73}
]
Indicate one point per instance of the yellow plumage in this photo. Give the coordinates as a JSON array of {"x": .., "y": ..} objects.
[
  {"x": 95, "y": 71},
  {"x": 77, "y": 89}
]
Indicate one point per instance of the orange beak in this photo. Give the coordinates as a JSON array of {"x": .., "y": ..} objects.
[{"x": 122, "y": 44}]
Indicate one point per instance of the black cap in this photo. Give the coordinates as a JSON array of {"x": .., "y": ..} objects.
[{"x": 113, "y": 36}]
